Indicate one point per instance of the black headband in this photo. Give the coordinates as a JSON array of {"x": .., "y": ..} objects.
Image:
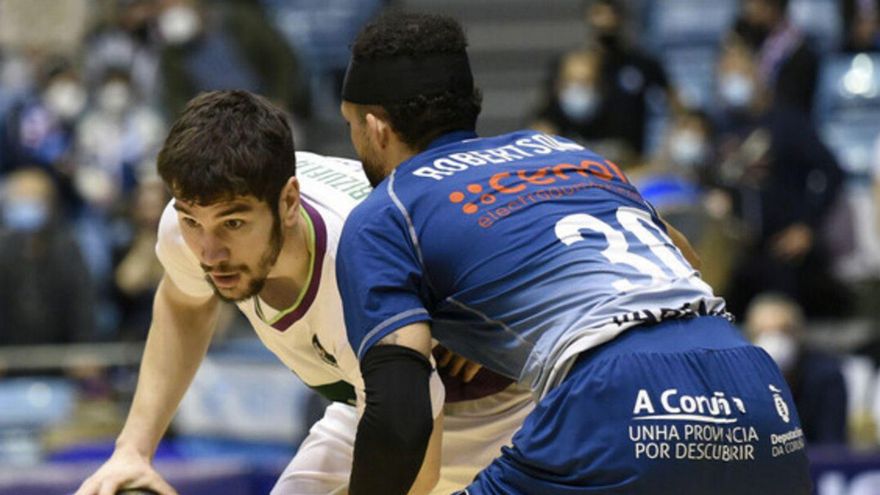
[{"x": 374, "y": 82}]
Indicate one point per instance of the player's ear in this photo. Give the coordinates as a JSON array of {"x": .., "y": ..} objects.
[
  {"x": 288, "y": 204},
  {"x": 378, "y": 130}
]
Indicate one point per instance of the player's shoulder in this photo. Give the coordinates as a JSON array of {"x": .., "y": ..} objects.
[
  {"x": 169, "y": 227},
  {"x": 374, "y": 208},
  {"x": 378, "y": 212}
]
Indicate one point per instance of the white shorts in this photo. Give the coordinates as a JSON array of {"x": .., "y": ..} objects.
[{"x": 473, "y": 434}]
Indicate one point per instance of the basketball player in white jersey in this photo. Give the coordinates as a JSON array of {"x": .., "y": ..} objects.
[{"x": 243, "y": 229}]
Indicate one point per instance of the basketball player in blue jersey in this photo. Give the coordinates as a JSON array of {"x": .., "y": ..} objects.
[
  {"x": 537, "y": 258},
  {"x": 257, "y": 224}
]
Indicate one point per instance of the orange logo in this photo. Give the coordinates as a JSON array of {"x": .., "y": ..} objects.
[{"x": 504, "y": 183}]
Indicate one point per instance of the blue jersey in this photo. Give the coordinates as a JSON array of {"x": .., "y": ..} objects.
[{"x": 522, "y": 250}]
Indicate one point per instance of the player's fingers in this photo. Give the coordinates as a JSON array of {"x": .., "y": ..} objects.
[
  {"x": 87, "y": 488},
  {"x": 470, "y": 371},
  {"x": 108, "y": 487},
  {"x": 151, "y": 481},
  {"x": 457, "y": 364},
  {"x": 162, "y": 486},
  {"x": 445, "y": 357}
]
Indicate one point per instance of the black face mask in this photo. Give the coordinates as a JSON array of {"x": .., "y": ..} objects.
[
  {"x": 610, "y": 40},
  {"x": 141, "y": 32},
  {"x": 753, "y": 34}
]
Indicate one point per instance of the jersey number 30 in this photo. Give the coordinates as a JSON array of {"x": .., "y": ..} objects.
[{"x": 639, "y": 223}]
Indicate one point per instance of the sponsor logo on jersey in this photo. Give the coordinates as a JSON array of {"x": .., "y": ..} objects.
[
  {"x": 779, "y": 402},
  {"x": 508, "y": 192},
  {"x": 519, "y": 181},
  {"x": 693, "y": 427},
  {"x": 673, "y": 404}
]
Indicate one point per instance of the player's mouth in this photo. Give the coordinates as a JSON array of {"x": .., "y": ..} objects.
[{"x": 225, "y": 280}]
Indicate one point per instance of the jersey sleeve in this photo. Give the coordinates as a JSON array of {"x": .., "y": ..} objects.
[
  {"x": 379, "y": 275},
  {"x": 179, "y": 262}
]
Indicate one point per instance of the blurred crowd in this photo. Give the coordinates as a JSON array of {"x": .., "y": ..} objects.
[
  {"x": 81, "y": 120},
  {"x": 787, "y": 228},
  {"x": 747, "y": 174}
]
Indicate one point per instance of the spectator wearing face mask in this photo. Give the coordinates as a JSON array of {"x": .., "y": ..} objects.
[
  {"x": 126, "y": 37},
  {"x": 688, "y": 145},
  {"x": 39, "y": 129},
  {"x": 117, "y": 141},
  {"x": 625, "y": 80},
  {"x": 46, "y": 296},
  {"x": 577, "y": 108},
  {"x": 782, "y": 182},
  {"x": 786, "y": 62},
  {"x": 776, "y": 323},
  {"x": 677, "y": 182},
  {"x": 672, "y": 182},
  {"x": 116, "y": 144}
]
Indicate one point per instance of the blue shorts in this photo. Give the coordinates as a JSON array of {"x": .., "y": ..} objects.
[{"x": 681, "y": 407}]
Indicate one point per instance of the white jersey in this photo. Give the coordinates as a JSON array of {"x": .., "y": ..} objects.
[{"x": 310, "y": 339}]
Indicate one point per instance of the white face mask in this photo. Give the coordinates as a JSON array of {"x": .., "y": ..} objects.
[
  {"x": 114, "y": 97},
  {"x": 579, "y": 102},
  {"x": 179, "y": 24},
  {"x": 25, "y": 215},
  {"x": 95, "y": 185},
  {"x": 782, "y": 347},
  {"x": 736, "y": 90},
  {"x": 687, "y": 148},
  {"x": 66, "y": 98}
]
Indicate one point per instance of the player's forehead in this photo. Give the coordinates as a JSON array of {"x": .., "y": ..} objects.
[
  {"x": 351, "y": 112},
  {"x": 234, "y": 205}
]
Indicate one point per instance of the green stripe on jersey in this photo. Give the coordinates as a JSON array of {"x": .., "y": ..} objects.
[{"x": 336, "y": 392}]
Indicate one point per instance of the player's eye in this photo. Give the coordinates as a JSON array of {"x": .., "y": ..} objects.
[
  {"x": 233, "y": 224},
  {"x": 190, "y": 222}
]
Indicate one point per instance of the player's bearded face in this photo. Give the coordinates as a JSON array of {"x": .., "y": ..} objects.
[
  {"x": 371, "y": 164},
  {"x": 251, "y": 278},
  {"x": 367, "y": 151},
  {"x": 236, "y": 242}
]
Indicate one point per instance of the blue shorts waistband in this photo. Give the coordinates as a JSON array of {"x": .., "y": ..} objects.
[{"x": 674, "y": 335}]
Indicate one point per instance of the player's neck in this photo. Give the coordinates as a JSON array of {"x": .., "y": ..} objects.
[
  {"x": 290, "y": 274},
  {"x": 397, "y": 153}
]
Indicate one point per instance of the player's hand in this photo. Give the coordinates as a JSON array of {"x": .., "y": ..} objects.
[
  {"x": 125, "y": 469},
  {"x": 457, "y": 366}
]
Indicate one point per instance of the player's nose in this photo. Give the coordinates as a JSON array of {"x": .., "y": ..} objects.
[{"x": 212, "y": 250}]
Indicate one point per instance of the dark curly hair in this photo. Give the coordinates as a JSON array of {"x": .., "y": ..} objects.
[
  {"x": 419, "y": 120},
  {"x": 227, "y": 144}
]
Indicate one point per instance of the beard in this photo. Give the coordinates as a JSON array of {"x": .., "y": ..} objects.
[
  {"x": 257, "y": 276},
  {"x": 375, "y": 175},
  {"x": 373, "y": 169}
]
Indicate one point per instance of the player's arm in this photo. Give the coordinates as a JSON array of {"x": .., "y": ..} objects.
[
  {"x": 397, "y": 447},
  {"x": 179, "y": 335},
  {"x": 681, "y": 242}
]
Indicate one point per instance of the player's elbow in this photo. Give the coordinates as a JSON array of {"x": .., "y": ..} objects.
[{"x": 426, "y": 482}]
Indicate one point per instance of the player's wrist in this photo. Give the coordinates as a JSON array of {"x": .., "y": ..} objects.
[{"x": 130, "y": 448}]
